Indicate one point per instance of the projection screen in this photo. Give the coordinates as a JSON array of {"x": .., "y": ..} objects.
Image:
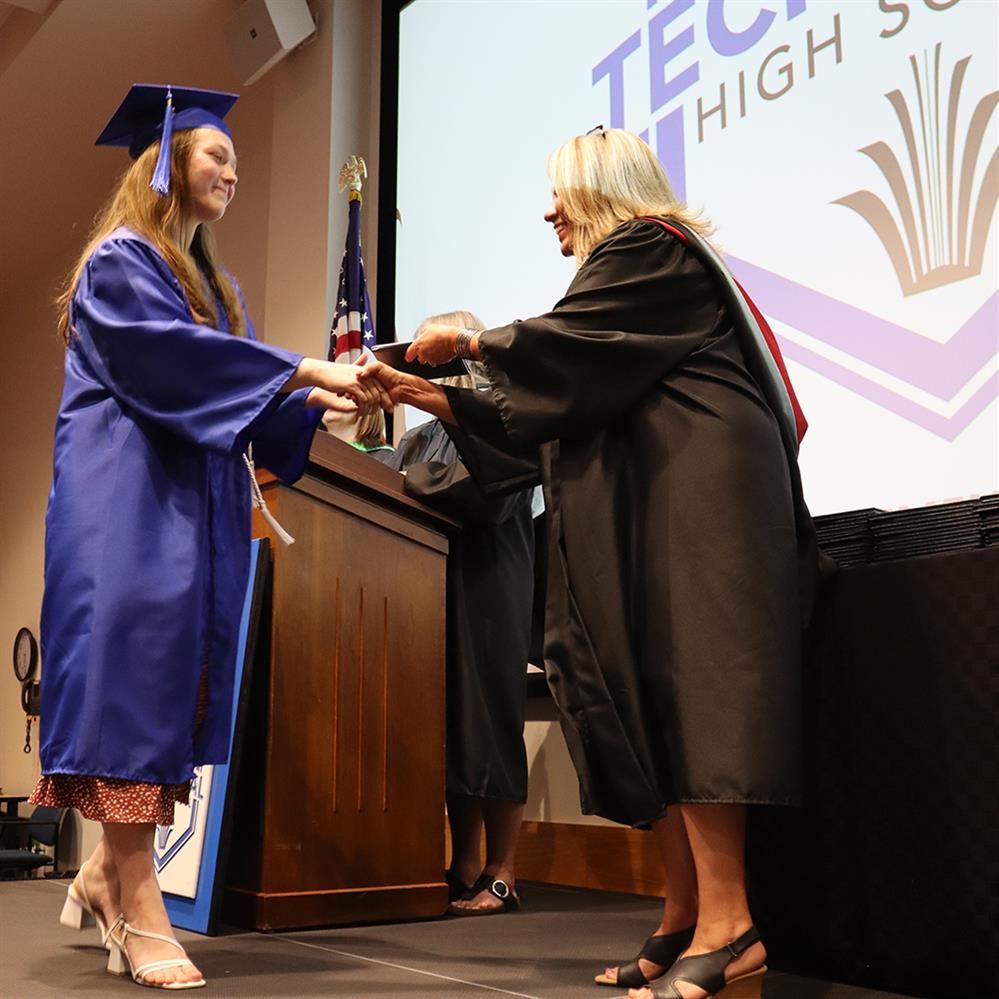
[{"x": 846, "y": 152}]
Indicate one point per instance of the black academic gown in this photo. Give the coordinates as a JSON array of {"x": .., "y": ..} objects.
[
  {"x": 678, "y": 538},
  {"x": 489, "y": 601}
]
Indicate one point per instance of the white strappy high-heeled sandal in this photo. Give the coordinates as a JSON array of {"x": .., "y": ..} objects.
[
  {"x": 119, "y": 962},
  {"x": 78, "y": 911}
]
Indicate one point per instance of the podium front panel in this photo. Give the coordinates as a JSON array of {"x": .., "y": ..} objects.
[{"x": 342, "y": 793}]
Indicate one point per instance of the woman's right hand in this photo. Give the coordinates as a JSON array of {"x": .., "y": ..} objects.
[
  {"x": 341, "y": 380},
  {"x": 344, "y": 380},
  {"x": 409, "y": 389},
  {"x": 395, "y": 383}
]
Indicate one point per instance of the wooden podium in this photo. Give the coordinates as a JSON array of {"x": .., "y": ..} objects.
[{"x": 340, "y": 801}]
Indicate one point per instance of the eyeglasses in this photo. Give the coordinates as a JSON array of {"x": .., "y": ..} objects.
[{"x": 597, "y": 130}]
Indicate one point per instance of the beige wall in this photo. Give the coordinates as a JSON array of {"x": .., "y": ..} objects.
[
  {"x": 60, "y": 77},
  {"x": 552, "y": 790}
]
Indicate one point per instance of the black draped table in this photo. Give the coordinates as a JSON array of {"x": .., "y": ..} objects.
[{"x": 889, "y": 877}]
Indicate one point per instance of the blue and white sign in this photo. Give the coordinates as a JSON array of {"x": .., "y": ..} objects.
[
  {"x": 187, "y": 854},
  {"x": 177, "y": 849}
]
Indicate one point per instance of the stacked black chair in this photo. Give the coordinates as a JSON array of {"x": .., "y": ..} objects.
[{"x": 40, "y": 830}]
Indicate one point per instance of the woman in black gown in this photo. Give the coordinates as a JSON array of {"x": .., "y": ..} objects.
[{"x": 681, "y": 552}]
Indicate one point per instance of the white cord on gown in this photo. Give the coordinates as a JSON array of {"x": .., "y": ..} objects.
[{"x": 260, "y": 503}]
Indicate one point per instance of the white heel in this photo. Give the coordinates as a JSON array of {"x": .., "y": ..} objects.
[
  {"x": 73, "y": 914},
  {"x": 117, "y": 959},
  {"x": 78, "y": 912}
]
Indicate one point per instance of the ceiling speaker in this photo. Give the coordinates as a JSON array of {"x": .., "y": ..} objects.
[{"x": 262, "y": 32}]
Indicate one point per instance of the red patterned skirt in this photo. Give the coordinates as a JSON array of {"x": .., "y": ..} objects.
[{"x": 108, "y": 799}]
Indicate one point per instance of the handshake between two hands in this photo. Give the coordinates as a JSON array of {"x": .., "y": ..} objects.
[{"x": 369, "y": 385}]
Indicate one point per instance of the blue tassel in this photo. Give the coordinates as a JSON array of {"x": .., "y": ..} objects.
[{"x": 161, "y": 175}]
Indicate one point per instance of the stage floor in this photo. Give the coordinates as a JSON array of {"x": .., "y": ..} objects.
[{"x": 552, "y": 948}]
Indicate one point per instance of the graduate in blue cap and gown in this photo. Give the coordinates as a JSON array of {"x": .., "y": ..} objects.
[{"x": 148, "y": 524}]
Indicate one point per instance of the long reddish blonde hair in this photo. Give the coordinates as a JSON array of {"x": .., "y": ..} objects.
[{"x": 135, "y": 204}]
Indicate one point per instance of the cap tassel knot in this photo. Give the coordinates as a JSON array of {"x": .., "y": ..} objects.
[{"x": 161, "y": 175}]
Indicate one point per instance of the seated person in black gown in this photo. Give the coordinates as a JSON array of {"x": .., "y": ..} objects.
[{"x": 490, "y": 586}]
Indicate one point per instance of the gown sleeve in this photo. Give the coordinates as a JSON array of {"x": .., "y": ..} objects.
[
  {"x": 436, "y": 474},
  {"x": 282, "y": 435},
  {"x": 132, "y": 324},
  {"x": 495, "y": 462},
  {"x": 450, "y": 487},
  {"x": 638, "y": 306}
]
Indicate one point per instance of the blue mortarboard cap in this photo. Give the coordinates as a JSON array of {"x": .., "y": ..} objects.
[{"x": 150, "y": 111}]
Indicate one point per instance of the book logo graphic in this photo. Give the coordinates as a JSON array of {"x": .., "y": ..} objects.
[{"x": 938, "y": 230}]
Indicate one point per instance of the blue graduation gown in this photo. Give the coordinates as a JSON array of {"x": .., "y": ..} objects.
[{"x": 148, "y": 524}]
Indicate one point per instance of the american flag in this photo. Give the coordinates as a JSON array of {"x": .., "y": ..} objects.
[{"x": 352, "y": 321}]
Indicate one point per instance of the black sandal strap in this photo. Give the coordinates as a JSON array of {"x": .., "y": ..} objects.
[
  {"x": 456, "y": 888},
  {"x": 662, "y": 949},
  {"x": 496, "y": 887},
  {"x": 707, "y": 971},
  {"x": 743, "y": 943},
  {"x": 631, "y": 976},
  {"x": 665, "y": 948},
  {"x": 481, "y": 883}
]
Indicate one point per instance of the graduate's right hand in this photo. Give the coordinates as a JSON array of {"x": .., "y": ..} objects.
[
  {"x": 344, "y": 379},
  {"x": 339, "y": 380},
  {"x": 320, "y": 398}
]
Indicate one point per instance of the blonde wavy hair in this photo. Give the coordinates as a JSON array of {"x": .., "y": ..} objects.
[
  {"x": 367, "y": 429},
  {"x": 371, "y": 429},
  {"x": 466, "y": 320},
  {"x": 135, "y": 204},
  {"x": 609, "y": 177}
]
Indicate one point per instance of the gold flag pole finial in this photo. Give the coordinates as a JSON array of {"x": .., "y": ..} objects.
[{"x": 352, "y": 175}]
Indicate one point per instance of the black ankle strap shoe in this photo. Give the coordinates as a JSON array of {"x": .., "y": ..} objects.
[
  {"x": 661, "y": 948},
  {"x": 496, "y": 887},
  {"x": 707, "y": 971}
]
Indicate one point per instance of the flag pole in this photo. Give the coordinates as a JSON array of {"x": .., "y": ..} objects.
[{"x": 353, "y": 324}]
